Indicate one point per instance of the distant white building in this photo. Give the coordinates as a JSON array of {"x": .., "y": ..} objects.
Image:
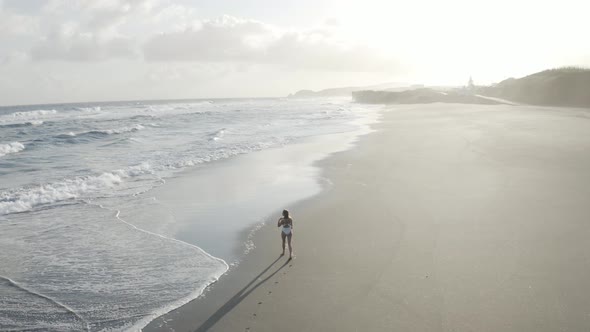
[
  {"x": 470, "y": 87},
  {"x": 470, "y": 84}
]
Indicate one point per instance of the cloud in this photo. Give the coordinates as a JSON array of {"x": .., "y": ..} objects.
[
  {"x": 318, "y": 52},
  {"x": 14, "y": 24},
  {"x": 161, "y": 31},
  {"x": 241, "y": 40},
  {"x": 332, "y": 21},
  {"x": 78, "y": 30},
  {"x": 224, "y": 39},
  {"x": 82, "y": 46}
]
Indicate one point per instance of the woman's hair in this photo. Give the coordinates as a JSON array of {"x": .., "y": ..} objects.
[{"x": 285, "y": 214}]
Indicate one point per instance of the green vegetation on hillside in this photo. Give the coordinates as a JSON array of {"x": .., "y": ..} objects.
[{"x": 569, "y": 86}]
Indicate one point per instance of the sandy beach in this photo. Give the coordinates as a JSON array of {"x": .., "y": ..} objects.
[{"x": 446, "y": 218}]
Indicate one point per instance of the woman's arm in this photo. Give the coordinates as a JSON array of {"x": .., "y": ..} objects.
[{"x": 280, "y": 222}]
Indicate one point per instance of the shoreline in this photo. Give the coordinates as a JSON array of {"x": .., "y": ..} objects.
[
  {"x": 261, "y": 230},
  {"x": 315, "y": 149},
  {"x": 235, "y": 274},
  {"x": 437, "y": 221},
  {"x": 249, "y": 261}
]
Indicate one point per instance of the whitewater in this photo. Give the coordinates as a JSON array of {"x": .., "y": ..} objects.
[{"x": 88, "y": 240}]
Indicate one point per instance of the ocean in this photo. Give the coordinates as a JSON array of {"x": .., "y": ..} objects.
[{"x": 112, "y": 214}]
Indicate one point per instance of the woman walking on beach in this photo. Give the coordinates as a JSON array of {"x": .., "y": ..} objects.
[{"x": 287, "y": 233}]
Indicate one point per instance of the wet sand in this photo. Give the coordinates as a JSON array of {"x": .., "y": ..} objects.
[{"x": 447, "y": 218}]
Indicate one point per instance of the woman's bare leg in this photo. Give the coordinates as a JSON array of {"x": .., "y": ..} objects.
[
  {"x": 283, "y": 236},
  {"x": 290, "y": 247}
]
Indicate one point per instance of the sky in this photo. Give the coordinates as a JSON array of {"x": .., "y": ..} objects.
[{"x": 55, "y": 51}]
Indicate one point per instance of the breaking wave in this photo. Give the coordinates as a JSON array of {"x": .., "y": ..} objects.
[
  {"x": 32, "y": 114},
  {"x": 28, "y": 118},
  {"x": 122, "y": 130},
  {"x": 117, "y": 131},
  {"x": 217, "y": 135},
  {"x": 31, "y": 123},
  {"x": 13, "y": 147},
  {"x": 26, "y": 199},
  {"x": 89, "y": 109}
]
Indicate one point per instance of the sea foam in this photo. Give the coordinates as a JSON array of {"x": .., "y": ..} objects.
[
  {"x": 32, "y": 114},
  {"x": 89, "y": 109},
  {"x": 217, "y": 135},
  {"x": 83, "y": 205},
  {"x": 26, "y": 199},
  {"x": 115, "y": 131},
  {"x": 31, "y": 118},
  {"x": 13, "y": 147}
]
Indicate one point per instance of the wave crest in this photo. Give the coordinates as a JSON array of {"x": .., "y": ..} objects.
[
  {"x": 217, "y": 135},
  {"x": 30, "y": 118},
  {"x": 26, "y": 199},
  {"x": 122, "y": 130},
  {"x": 89, "y": 109},
  {"x": 32, "y": 114},
  {"x": 13, "y": 147}
]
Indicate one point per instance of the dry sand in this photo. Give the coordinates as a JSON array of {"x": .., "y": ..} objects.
[{"x": 447, "y": 218}]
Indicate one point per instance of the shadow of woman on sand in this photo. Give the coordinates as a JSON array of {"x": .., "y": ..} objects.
[{"x": 242, "y": 294}]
